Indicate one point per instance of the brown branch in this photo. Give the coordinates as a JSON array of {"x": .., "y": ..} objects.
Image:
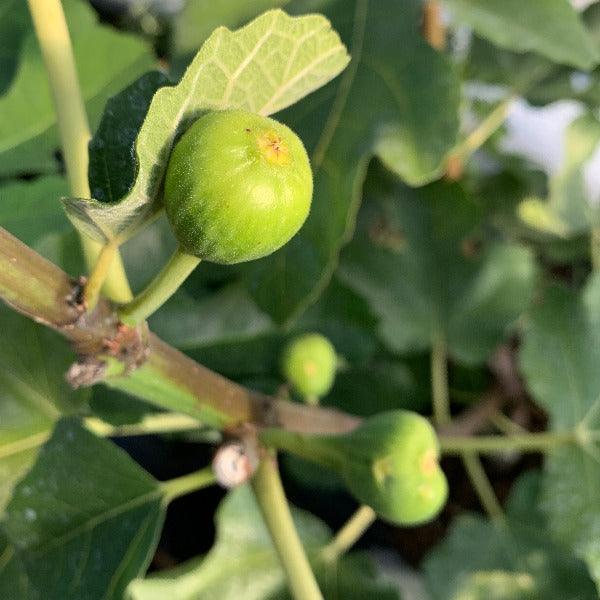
[{"x": 138, "y": 362}]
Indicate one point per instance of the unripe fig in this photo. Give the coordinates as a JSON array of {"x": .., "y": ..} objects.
[
  {"x": 238, "y": 187},
  {"x": 309, "y": 365},
  {"x": 390, "y": 462}
]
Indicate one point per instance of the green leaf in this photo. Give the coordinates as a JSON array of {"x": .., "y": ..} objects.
[
  {"x": 398, "y": 99},
  {"x": 514, "y": 560},
  {"x": 345, "y": 319},
  {"x": 538, "y": 79},
  {"x": 559, "y": 359},
  {"x": 33, "y": 393},
  {"x": 243, "y": 562},
  {"x": 194, "y": 24},
  {"x": 264, "y": 67},
  {"x": 106, "y": 61},
  {"x": 111, "y": 171},
  {"x": 381, "y": 385},
  {"x": 31, "y": 209},
  {"x": 84, "y": 521},
  {"x": 416, "y": 261},
  {"x": 234, "y": 317},
  {"x": 240, "y": 339},
  {"x": 551, "y": 28},
  {"x": 13, "y": 581},
  {"x": 14, "y": 23},
  {"x": 567, "y": 211}
]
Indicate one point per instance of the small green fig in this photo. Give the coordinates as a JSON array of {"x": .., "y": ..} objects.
[
  {"x": 309, "y": 365},
  {"x": 238, "y": 187},
  {"x": 390, "y": 462}
]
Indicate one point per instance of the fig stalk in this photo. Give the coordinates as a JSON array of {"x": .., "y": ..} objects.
[
  {"x": 93, "y": 286},
  {"x": 160, "y": 289},
  {"x": 270, "y": 495}
]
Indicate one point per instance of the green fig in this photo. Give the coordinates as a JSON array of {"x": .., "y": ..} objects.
[
  {"x": 309, "y": 365},
  {"x": 238, "y": 187},
  {"x": 390, "y": 462}
]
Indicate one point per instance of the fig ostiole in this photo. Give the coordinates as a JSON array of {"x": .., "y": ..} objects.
[
  {"x": 238, "y": 187},
  {"x": 309, "y": 366},
  {"x": 390, "y": 463}
]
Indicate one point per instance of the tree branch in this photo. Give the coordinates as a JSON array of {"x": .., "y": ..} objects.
[{"x": 136, "y": 361}]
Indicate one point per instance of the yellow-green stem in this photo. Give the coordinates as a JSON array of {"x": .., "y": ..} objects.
[
  {"x": 150, "y": 424},
  {"x": 439, "y": 382},
  {"x": 93, "y": 286},
  {"x": 160, "y": 289},
  {"x": 482, "y": 486},
  {"x": 180, "y": 486},
  {"x": 595, "y": 248},
  {"x": 506, "y": 425},
  {"x": 493, "y": 444},
  {"x": 486, "y": 128},
  {"x": 349, "y": 534},
  {"x": 270, "y": 495},
  {"x": 441, "y": 415},
  {"x": 53, "y": 36}
]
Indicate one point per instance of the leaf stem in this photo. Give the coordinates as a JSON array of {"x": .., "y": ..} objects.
[
  {"x": 595, "y": 248},
  {"x": 160, "y": 289},
  {"x": 439, "y": 382},
  {"x": 492, "y": 444},
  {"x": 93, "y": 286},
  {"x": 482, "y": 486},
  {"x": 481, "y": 134},
  {"x": 180, "y": 486},
  {"x": 53, "y": 37},
  {"x": 486, "y": 128},
  {"x": 270, "y": 495},
  {"x": 440, "y": 392},
  {"x": 150, "y": 424},
  {"x": 349, "y": 534}
]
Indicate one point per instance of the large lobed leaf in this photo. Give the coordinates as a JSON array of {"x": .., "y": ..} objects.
[
  {"x": 14, "y": 23},
  {"x": 243, "y": 563},
  {"x": 514, "y": 560},
  {"x": 83, "y": 522},
  {"x": 398, "y": 99},
  {"x": 33, "y": 394},
  {"x": 263, "y": 67},
  {"x": 552, "y": 28},
  {"x": 415, "y": 259},
  {"x": 106, "y": 61},
  {"x": 31, "y": 209},
  {"x": 560, "y": 358},
  {"x": 197, "y": 20}
]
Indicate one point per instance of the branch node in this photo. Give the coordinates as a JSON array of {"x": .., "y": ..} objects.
[
  {"x": 86, "y": 372},
  {"x": 75, "y": 298}
]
